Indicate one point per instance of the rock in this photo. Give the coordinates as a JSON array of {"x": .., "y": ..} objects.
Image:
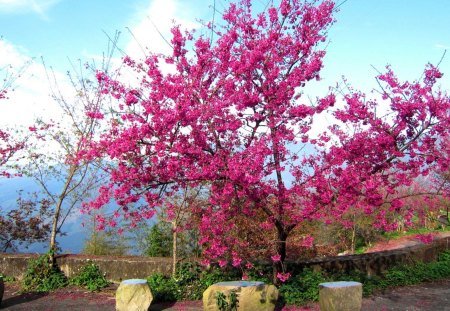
[
  {"x": 133, "y": 295},
  {"x": 250, "y": 295},
  {"x": 340, "y": 296}
]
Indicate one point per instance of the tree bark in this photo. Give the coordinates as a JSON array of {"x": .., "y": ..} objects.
[
  {"x": 59, "y": 203},
  {"x": 174, "y": 249},
  {"x": 280, "y": 249}
]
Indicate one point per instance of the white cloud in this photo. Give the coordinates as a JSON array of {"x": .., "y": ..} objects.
[
  {"x": 151, "y": 24},
  {"x": 29, "y": 96},
  {"x": 442, "y": 46},
  {"x": 39, "y": 7}
]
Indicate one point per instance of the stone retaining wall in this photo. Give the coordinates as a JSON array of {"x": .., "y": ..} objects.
[
  {"x": 377, "y": 262},
  {"x": 121, "y": 268},
  {"x": 115, "y": 268}
]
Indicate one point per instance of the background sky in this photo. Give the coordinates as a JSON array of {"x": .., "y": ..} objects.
[{"x": 404, "y": 33}]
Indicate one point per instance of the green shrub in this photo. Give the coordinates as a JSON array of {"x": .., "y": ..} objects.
[
  {"x": 42, "y": 276},
  {"x": 163, "y": 288},
  {"x": 7, "y": 279},
  {"x": 302, "y": 287},
  {"x": 90, "y": 277},
  {"x": 189, "y": 282}
]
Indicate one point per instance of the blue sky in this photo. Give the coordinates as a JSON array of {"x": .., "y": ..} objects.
[{"x": 404, "y": 33}]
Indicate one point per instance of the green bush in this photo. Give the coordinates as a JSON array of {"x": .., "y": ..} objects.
[
  {"x": 42, "y": 276},
  {"x": 302, "y": 287},
  {"x": 163, "y": 288},
  {"x": 90, "y": 277},
  {"x": 189, "y": 282},
  {"x": 7, "y": 279}
]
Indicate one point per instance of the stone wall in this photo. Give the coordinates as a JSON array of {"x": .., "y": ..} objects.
[
  {"x": 120, "y": 268},
  {"x": 375, "y": 263},
  {"x": 115, "y": 268}
]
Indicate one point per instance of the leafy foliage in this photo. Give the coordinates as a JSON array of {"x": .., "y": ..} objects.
[
  {"x": 25, "y": 224},
  {"x": 159, "y": 241},
  {"x": 90, "y": 277},
  {"x": 189, "y": 282},
  {"x": 105, "y": 243},
  {"x": 164, "y": 288},
  {"x": 302, "y": 288},
  {"x": 7, "y": 278},
  {"x": 227, "y": 303},
  {"x": 42, "y": 276}
]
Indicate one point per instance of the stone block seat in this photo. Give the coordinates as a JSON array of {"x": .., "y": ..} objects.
[
  {"x": 250, "y": 295},
  {"x": 133, "y": 295},
  {"x": 340, "y": 296}
]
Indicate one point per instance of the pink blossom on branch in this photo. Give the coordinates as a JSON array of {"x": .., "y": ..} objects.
[{"x": 231, "y": 115}]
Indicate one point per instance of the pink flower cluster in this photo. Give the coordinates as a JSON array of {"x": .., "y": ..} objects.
[{"x": 231, "y": 116}]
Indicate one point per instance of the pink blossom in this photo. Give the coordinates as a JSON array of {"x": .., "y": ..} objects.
[
  {"x": 276, "y": 257},
  {"x": 283, "y": 277},
  {"x": 232, "y": 115},
  {"x": 222, "y": 263},
  {"x": 425, "y": 238}
]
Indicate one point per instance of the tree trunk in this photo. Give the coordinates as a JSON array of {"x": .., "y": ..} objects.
[
  {"x": 280, "y": 248},
  {"x": 352, "y": 247},
  {"x": 57, "y": 213},
  {"x": 52, "y": 248},
  {"x": 174, "y": 249}
]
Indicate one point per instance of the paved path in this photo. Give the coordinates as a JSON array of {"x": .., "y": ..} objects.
[{"x": 423, "y": 297}]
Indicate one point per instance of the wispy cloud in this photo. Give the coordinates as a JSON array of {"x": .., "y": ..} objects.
[
  {"x": 151, "y": 24},
  {"x": 442, "y": 46},
  {"x": 39, "y": 7},
  {"x": 28, "y": 97}
]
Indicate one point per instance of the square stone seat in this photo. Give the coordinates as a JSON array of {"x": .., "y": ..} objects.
[
  {"x": 250, "y": 295},
  {"x": 133, "y": 295},
  {"x": 340, "y": 296}
]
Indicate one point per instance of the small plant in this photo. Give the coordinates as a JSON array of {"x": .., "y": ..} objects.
[
  {"x": 7, "y": 279},
  {"x": 90, "y": 277},
  {"x": 43, "y": 276},
  {"x": 163, "y": 288},
  {"x": 302, "y": 288},
  {"x": 225, "y": 303}
]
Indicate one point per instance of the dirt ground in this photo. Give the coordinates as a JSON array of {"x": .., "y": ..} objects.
[{"x": 433, "y": 296}]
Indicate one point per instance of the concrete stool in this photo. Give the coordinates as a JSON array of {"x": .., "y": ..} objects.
[
  {"x": 340, "y": 296},
  {"x": 133, "y": 295},
  {"x": 251, "y": 296}
]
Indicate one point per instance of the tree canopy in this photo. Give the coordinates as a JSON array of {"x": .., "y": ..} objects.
[{"x": 231, "y": 113}]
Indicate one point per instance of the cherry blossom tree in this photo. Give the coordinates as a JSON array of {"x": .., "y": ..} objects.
[
  {"x": 231, "y": 113},
  {"x": 63, "y": 182}
]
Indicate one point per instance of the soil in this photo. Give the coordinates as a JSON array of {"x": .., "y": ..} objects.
[{"x": 433, "y": 296}]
